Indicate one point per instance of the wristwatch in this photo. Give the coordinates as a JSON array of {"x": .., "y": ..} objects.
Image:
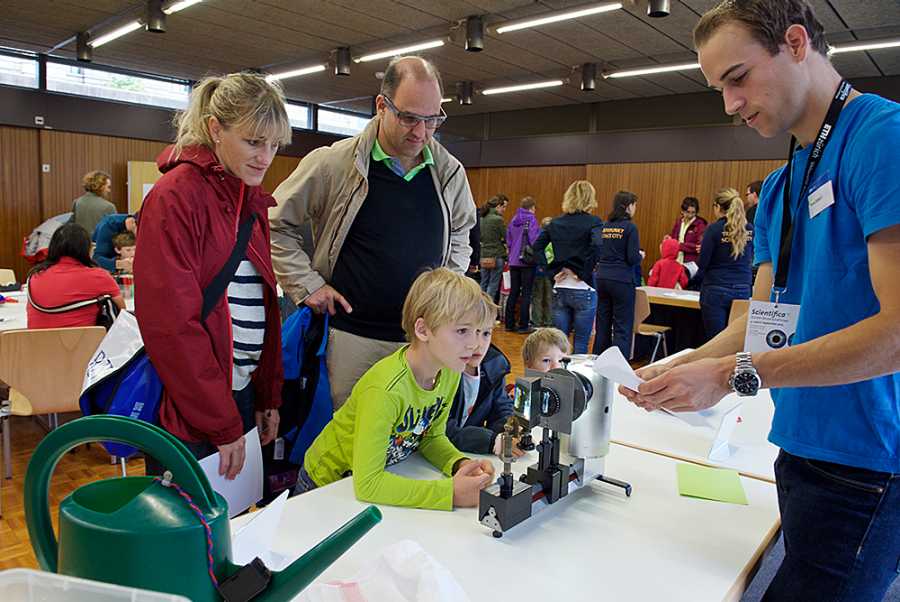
[{"x": 745, "y": 380}]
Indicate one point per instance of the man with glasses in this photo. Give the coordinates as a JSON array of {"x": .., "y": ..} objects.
[{"x": 383, "y": 206}]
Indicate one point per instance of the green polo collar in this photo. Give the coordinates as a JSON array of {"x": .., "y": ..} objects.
[{"x": 379, "y": 155}]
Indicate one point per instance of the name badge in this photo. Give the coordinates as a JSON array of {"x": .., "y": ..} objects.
[
  {"x": 770, "y": 326},
  {"x": 821, "y": 199}
]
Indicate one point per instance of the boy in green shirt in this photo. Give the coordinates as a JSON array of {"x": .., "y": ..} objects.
[{"x": 401, "y": 405}]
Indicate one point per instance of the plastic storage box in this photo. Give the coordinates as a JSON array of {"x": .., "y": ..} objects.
[{"x": 27, "y": 585}]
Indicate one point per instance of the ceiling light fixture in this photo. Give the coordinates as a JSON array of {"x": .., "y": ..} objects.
[
  {"x": 116, "y": 33},
  {"x": 652, "y": 70},
  {"x": 584, "y": 11},
  {"x": 474, "y": 33},
  {"x": 589, "y": 77},
  {"x": 521, "y": 87},
  {"x": 658, "y": 8},
  {"x": 383, "y": 54},
  {"x": 342, "y": 61},
  {"x": 156, "y": 18},
  {"x": 870, "y": 45},
  {"x": 464, "y": 92},
  {"x": 295, "y": 72},
  {"x": 177, "y": 6},
  {"x": 83, "y": 50}
]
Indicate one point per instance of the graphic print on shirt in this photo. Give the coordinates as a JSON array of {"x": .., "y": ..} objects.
[{"x": 408, "y": 434}]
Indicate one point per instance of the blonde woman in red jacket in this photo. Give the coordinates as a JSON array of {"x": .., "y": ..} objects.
[{"x": 222, "y": 376}]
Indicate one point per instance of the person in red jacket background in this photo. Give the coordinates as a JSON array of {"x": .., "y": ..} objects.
[
  {"x": 688, "y": 230},
  {"x": 667, "y": 272},
  {"x": 222, "y": 376}
]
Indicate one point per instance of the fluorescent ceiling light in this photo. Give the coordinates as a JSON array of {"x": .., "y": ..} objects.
[
  {"x": 651, "y": 70},
  {"x": 871, "y": 45},
  {"x": 556, "y": 17},
  {"x": 116, "y": 33},
  {"x": 398, "y": 51},
  {"x": 177, "y": 6},
  {"x": 535, "y": 86},
  {"x": 295, "y": 72},
  {"x": 443, "y": 100}
]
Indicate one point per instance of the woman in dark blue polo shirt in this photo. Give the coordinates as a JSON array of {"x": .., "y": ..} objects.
[
  {"x": 617, "y": 248},
  {"x": 726, "y": 254}
]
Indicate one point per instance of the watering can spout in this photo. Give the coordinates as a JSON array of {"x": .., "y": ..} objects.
[{"x": 286, "y": 584}]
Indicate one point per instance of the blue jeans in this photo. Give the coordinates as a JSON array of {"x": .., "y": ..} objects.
[
  {"x": 573, "y": 309},
  {"x": 715, "y": 305},
  {"x": 490, "y": 279},
  {"x": 615, "y": 315},
  {"x": 841, "y": 532}
]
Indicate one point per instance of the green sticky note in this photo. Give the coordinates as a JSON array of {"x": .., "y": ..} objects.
[{"x": 719, "y": 484}]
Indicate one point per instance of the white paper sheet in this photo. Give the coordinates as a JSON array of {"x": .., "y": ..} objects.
[
  {"x": 247, "y": 488},
  {"x": 720, "y": 450},
  {"x": 611, "y": 364},
  {"x": 256, "y": 536}
]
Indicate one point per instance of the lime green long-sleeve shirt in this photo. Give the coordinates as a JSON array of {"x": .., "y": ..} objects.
[{"x": 388, "y": 417}]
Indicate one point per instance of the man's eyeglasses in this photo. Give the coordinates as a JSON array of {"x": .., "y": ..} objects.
[{"x": 411, "y": 120}]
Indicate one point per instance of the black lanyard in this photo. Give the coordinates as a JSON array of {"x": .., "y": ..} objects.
[{"x": 818, "y": 149}]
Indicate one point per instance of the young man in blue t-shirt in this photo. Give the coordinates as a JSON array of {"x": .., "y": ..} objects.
[{"x": 837, "y": 387}]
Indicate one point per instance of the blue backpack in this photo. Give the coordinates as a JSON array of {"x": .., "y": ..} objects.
[{"x": 134, "y": 388}]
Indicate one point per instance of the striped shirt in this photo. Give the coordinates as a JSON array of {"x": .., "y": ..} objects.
[{"x": 248, "y": 322}]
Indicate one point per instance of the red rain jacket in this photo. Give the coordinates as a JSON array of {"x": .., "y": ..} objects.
[{"x": 186, "y": 231}]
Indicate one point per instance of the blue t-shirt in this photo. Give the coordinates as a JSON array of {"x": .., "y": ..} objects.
[{"x": 856, "y": 424}]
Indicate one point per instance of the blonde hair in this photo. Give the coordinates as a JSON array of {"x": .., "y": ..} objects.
[
  {"x": 729, "y": 202},
  {"x": 245, "y": 101},
  {"x": 580, "y": 196},
  {"x": 94, "y": 181},
  {"x": 441, "y": 297},
  {"x": 541, "y": 339}
]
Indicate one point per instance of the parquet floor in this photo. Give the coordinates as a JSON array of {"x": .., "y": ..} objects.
[{"x": 86, "y": 465}]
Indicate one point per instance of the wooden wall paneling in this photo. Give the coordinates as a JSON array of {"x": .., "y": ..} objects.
[
  {"x": 20, "y": 203},
  {"x": 546, "y": 184},
  {"x": 661, "y": 187},
  {"x": 282, "y": 166},
  {"x": 71, "y": 155}
]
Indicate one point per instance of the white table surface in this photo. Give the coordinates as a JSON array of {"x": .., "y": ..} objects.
[
  {"x": 596, "y": 544},
  {"x": 751, "y": 452}
]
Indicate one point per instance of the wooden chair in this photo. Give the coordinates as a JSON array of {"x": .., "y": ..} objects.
[
  {"x": 641, "y": 313},
  {"x": 738, "y": 308},
  {"x": 7, "y": 276},
  {"x": 44, "y": 369}
]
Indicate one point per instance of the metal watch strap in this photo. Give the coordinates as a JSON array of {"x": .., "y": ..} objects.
[{"x": 744, "y": 362}]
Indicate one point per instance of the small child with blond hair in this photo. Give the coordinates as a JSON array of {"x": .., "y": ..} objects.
[
  {"x": 401, "y": 404},
  {"x": 544, "y": 349}
]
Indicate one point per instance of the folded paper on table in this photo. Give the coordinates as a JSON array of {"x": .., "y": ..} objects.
[{"x": 255, "y": 537}]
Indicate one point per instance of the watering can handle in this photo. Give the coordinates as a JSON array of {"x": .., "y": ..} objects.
[{"x": 155, "y": 441}]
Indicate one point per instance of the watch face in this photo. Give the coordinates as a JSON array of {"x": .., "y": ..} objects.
[{"x": 746, "y": 383}]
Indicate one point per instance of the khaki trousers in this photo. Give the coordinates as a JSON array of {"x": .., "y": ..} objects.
[{"x": 348, "y": 358}]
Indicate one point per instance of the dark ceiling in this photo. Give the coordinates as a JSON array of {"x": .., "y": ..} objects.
[{"x": 219, "y": 36}]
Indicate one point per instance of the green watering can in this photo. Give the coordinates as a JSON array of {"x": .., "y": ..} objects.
[{"x": 136, "y": 532}]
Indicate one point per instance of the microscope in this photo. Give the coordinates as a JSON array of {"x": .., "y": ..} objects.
[{"x": 572, "y": 406}]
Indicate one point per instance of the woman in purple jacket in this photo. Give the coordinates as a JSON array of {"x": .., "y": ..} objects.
[{"x": 521, "y": 233}]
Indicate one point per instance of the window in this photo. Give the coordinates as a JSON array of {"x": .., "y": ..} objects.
[
  {"x": 18, "y": 71},
  {"x": 341, "y": 123},
  {"x": 73, "y": 79},
  {"x": 299, "y": 115}
]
